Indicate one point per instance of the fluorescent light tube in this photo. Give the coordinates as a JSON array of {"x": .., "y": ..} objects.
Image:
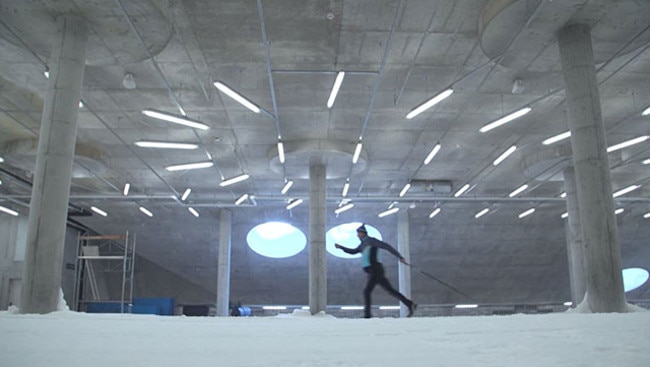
[
  {"x": 335, "y": 88},
  {"x": 556, "y": 138},
  {"x": 626, "y": 190},
  {"x": 281, "y": 152},
  {"x": 430, "y": 103},
  {"x": 527, "y": 213},
  {"x": 357, "y": 153},
  {"x": 98, "y": 211},
  {"x": 181, "y": 120},
  {"x": 434, "y": 212},
  {"x": 389, "y": 307},
  {"x": 618, "y": 211},
  {"x": 346, "y": 188},
  {"x": 564, "y": 215},
  {"x": 274, "y": 307},
  {"x": 646, "y": 215},
  {"x": 286, "y": 187},
  {"x": 146, "y": 211},
  {"x": 193, "y": 211},
  {"x": 234, "y": 180},
  {"x": 2, "y": 159},
  {"x": 186, "y": 194},
  {"x": 187, "y": 166},
  {"x": 647, "y": 161},
  {"x": 466, "y": 306},
  {"x": 461, "y": 191},
  {"x": 504, "y": 155},
  {"x": 505, "y": 119},
  {"x": 165, "y": 145},
  {"x": 481, "y": 213},
  {"x": 81, "y": 104},
  {"x": 349, "y": 308},
  {"x": 405, "y": 189},
  {"x": 127, "y": 187},
  {"x": 345, "y": 207},
  {"x": 47, "y": 74},
  {"x": 563, "y": 195},
  {"x": 517, "y": 191},
  {"x": 237, "y": 97},
  {"x": 628, "y": 143},
  {"x": 432, "y": 154},
  {"x": 241, "y": 199},
  {"x": 646, "y": 112},
  {"x": 8, "y": 211},
  {"x": 388, "y": 212},
  {"x": 294, "y": 203}
]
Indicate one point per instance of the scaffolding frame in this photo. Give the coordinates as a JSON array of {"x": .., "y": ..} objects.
[{"x": 107, "y": 254}]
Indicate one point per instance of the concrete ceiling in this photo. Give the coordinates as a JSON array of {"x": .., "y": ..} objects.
[{"x": 283, "y": 56}]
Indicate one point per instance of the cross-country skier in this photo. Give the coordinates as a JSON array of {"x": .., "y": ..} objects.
[{"x": 368, "y": 248}]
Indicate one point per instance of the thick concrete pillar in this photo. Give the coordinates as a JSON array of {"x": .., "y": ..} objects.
[
  {"x": 52, "y": 175},
  {"x": 575, "y": 245},
  {"x": 603, "y": 256},
  {"x": 404, "y": 247},
  {"x": 223, "y": 262},
  {"x": 317, "y": 222}
]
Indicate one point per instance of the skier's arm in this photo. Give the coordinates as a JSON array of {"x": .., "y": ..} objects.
[
  {"x": 347, "y": 249},
  {"x": 383, "y": 245}
]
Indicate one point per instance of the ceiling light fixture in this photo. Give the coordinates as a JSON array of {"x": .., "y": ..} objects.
[
  {"x": 234, "y": 180},
  {"x": 563, "y": 195},
  {"x": 286, "y": 187},
  {"x": 165, "y": 145},
  {"x": 564, "y": 215},
  {"x": 294, "y": 203},
  {"x": 146, "y": 211},
  {"x": 127, "y": 187},
  {"x": 188, "y": 166},
  {"x": 626, "y": 190},
  {"x": 357, "y": 152},
  {"x": 647, "y": 161},
  {"x": 241, "y": 199},
  {"x": 432, "y": 154},
  {"x": 193, "y": 211},
  {"x": 466, "y": 306},
  {"x": 128, "y": 81},
  {"x": 505, "y": 119},
  {"x": 434, "y": 212},
  {"x": 646, "y": 215},
  {"x": 281, "y": 151},
  {"x": 181, "y": 120},
  {"x": 430, "y": 103},
  {"x": 237, "y": 97},
  {"x": 646, "y": 112},
  {"x": 627, "y": 143},
  {"x": 47, "y": 74},
  {"x": 618, "y": 211},
  {"x": 481, "y": 213},
  {"x": 517, "y": 191},
  {"x": 527, "y": 213},
  {"x": 388, "y": 212},
  {"x": 98, "y": 211},
  {"x": 8, "y": 211},
  {"x": 335, "y": 88},
  {"x": 556, "y": 138},
  {"x": 186, "y": 194},
  {"x": 461, "y": 191},
  {"x": 346, "y": 188},
  {"x": 345, "y": 207},
  {"x": 405, "y": 189},
  {"x": 2, "y": 159},
  {"x": 504, "y": 155},
  {"x": 81, "y": 104}
]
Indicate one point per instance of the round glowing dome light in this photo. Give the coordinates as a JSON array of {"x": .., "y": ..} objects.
[
  {"x": 346, "y": 235},
  {"x": 633, "y": 278},
  {"x": 276, "y": 239}
]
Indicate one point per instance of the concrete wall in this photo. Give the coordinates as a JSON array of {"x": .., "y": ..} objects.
[{"x": 150, "y": 280}]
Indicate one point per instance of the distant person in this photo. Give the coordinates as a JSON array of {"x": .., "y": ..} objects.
[{"x": 369, "y": 248}]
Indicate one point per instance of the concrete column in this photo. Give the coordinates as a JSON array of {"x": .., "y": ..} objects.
[
  {"x": 317, "y": 222},
  {"x": 52, "y": 175},
  {"x": 223, "y": 267},
  {"x": 603, "y": 255},
  {"x": 404, "y": 247},
  {"x": 575, "y": 245}
]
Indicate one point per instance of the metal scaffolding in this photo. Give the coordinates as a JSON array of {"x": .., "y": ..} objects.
[{"x": 100, "y": 258}]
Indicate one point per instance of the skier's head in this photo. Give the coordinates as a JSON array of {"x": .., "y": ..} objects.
[{"x": 361, "y": 231}]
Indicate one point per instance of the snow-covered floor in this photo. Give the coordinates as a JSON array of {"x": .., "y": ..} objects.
[{"x": 69, "y": 339}]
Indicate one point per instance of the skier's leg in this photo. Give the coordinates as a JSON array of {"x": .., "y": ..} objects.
[{"x": 367, "y": 291}]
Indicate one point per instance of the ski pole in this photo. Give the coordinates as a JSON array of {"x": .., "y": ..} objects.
[{"x": 443, "y": 283}]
